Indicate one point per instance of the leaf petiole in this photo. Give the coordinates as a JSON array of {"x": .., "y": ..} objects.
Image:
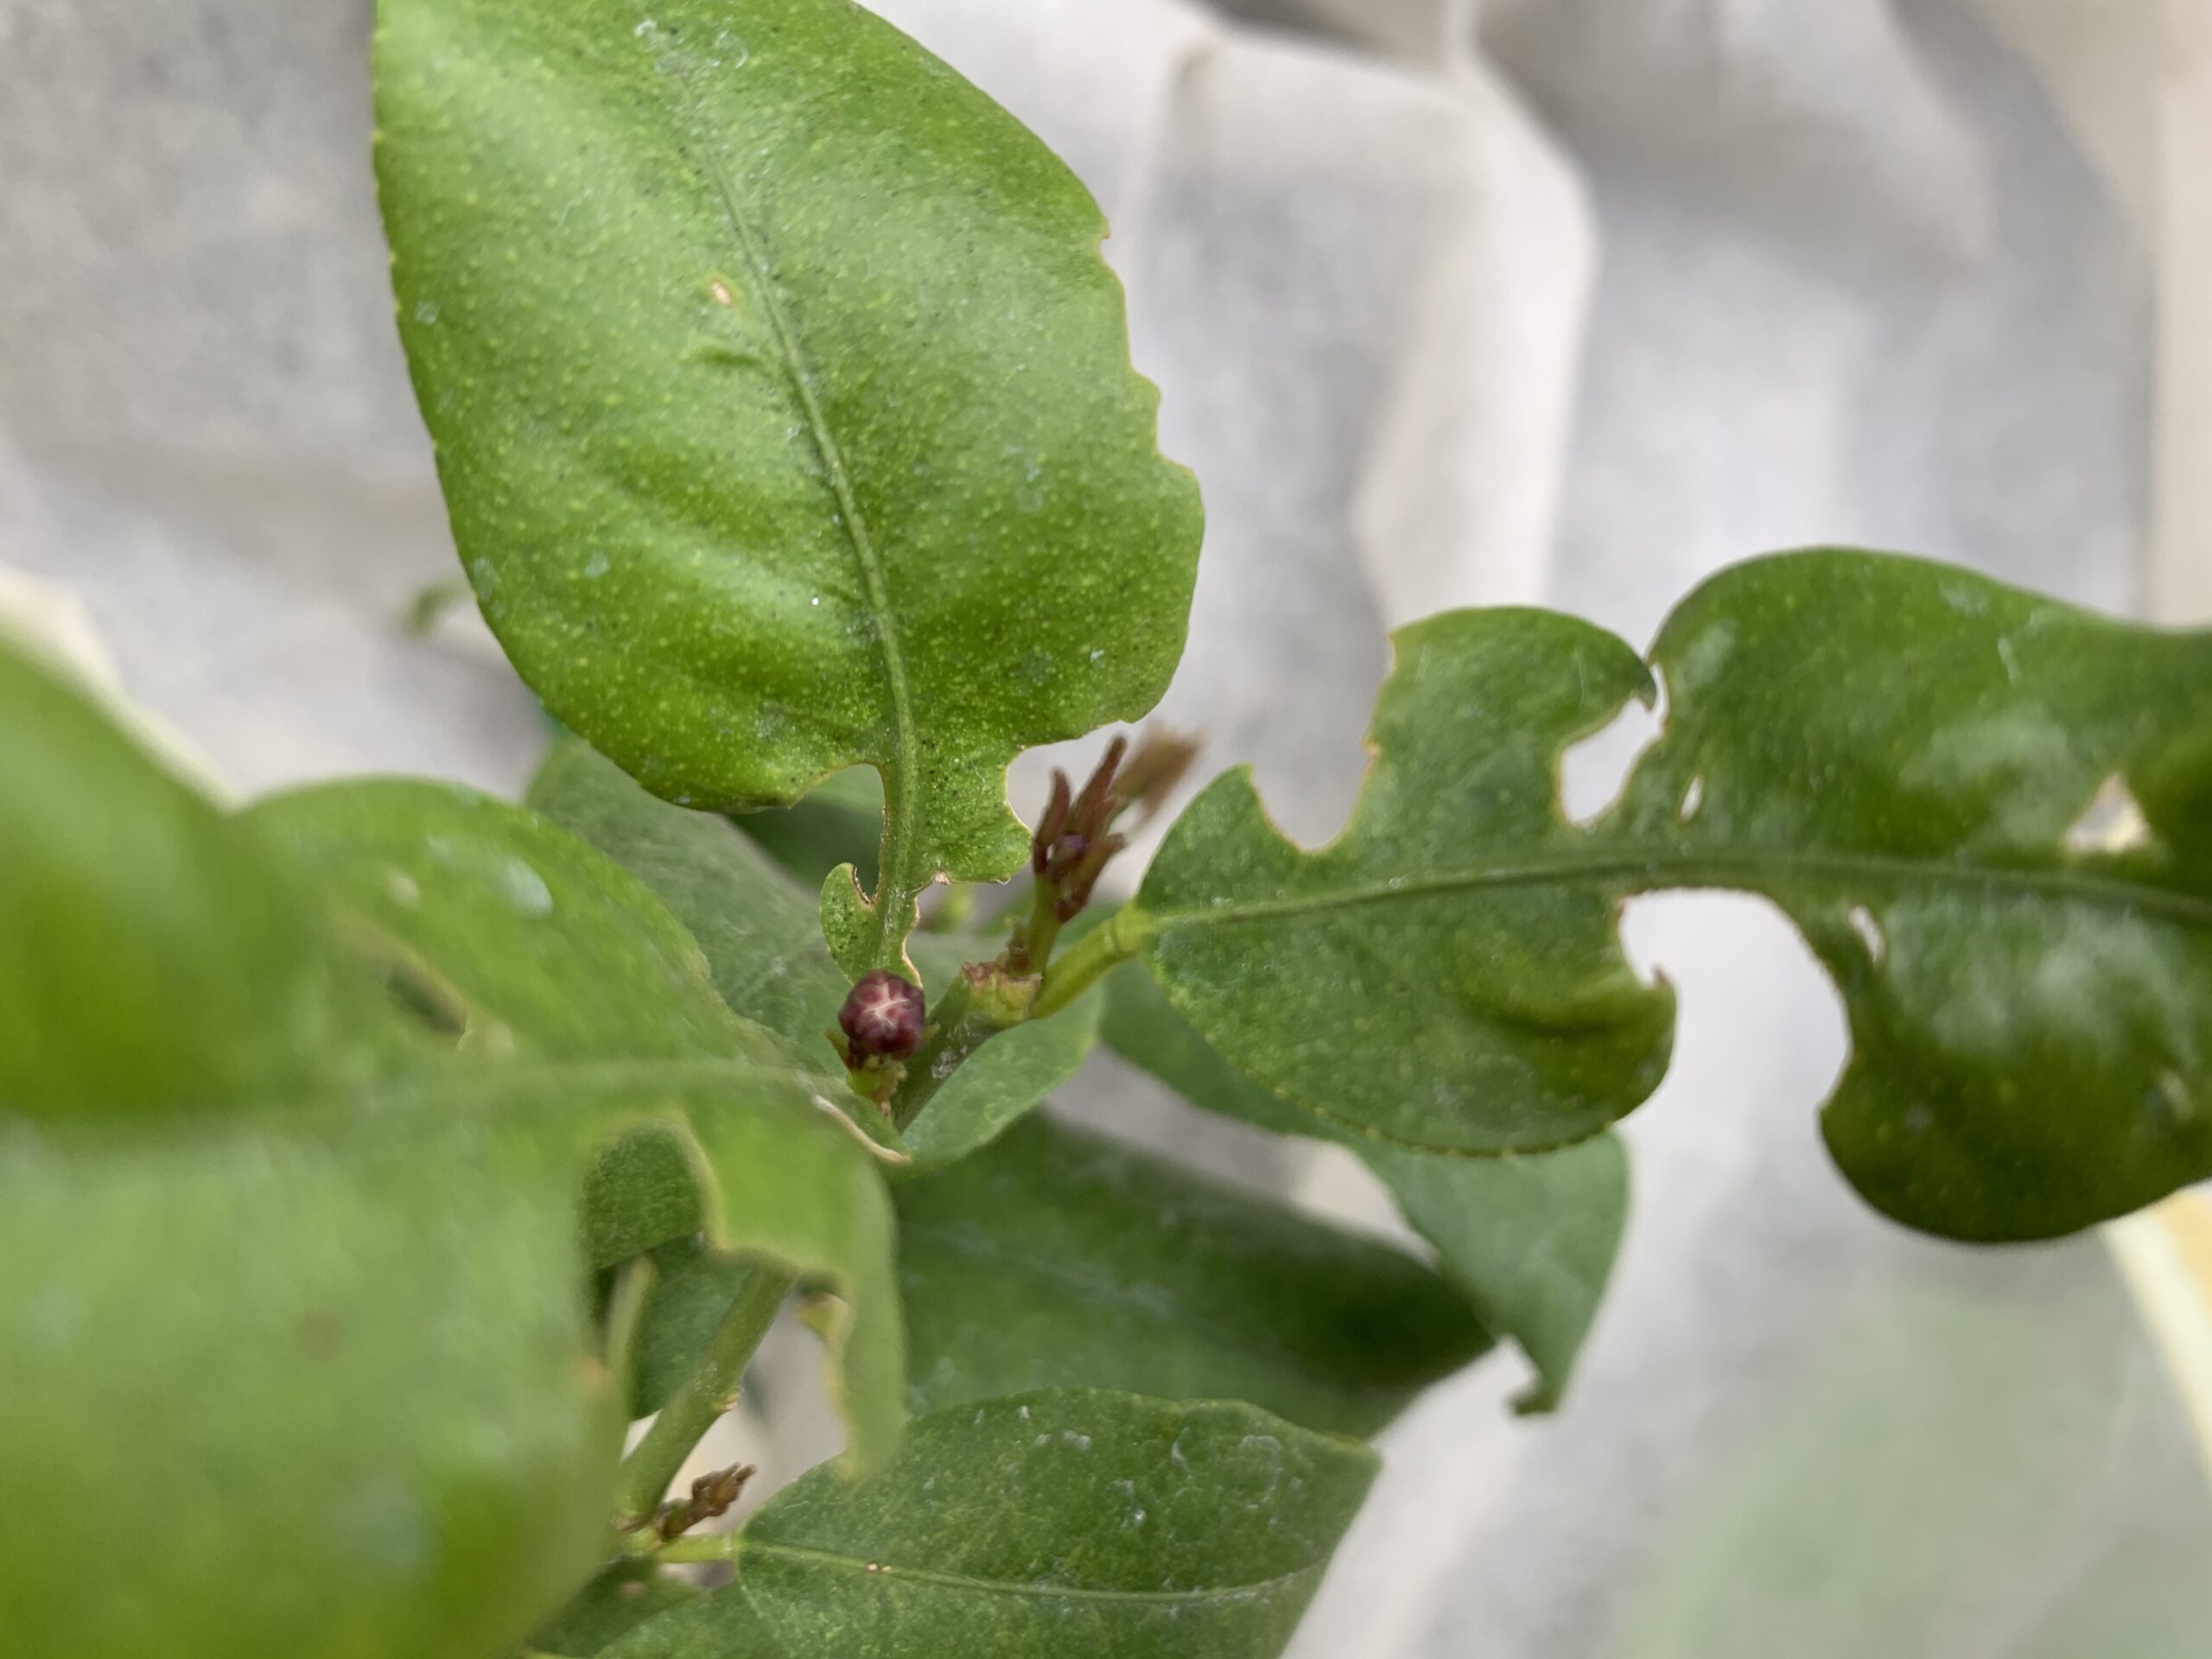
[
  {"x": 1098, "y": 954},
  {"x": 703, "y": 1546}
]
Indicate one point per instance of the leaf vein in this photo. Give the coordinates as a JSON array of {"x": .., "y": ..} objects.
[
  {"x": 1644, "y": 870},
  {"x": 967, "y": 1583},
  {"x": 896, "y": 883}
]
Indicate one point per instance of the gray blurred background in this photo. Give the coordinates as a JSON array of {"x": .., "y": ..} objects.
[{"x": 1453, "y": 302}]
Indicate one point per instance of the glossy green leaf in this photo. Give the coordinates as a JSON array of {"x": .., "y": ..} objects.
[
  {"x": 691, "y": 1118},
  {"x": 765, "y": 952},
  {"x": 1055, "y": 1258},
  {"x": 1060, "y": 1525},
  {"x": 1530, "y": 1239},
  {"x": 267, "y": 1396},
  {"x": 155, "y": 955},
  {"x": 1985, "y": 812},
  {"x": 783, "y": 405}
]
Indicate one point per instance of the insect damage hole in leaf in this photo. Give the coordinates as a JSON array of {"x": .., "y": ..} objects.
[
  {"x": 1594, "y": 773},
  {"x": 2112, "y": 823},
  {"x": 2007, "y": 1028}
]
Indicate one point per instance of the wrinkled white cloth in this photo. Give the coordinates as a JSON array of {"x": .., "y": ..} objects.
[{"x": 1569, "y": 301}]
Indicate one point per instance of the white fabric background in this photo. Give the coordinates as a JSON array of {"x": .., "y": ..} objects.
[{"x": 1570, "y": 300}]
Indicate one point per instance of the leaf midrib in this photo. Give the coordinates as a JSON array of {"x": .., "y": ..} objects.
[
  {"x": 895, "y": 883},
  {"x": 1650, "y": 869},
  {"x": 968, "y": 1583}
]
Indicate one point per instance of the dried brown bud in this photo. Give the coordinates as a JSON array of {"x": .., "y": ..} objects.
[
  {"x": 1052, "y": 825},
  {"x": 1075, "y": 838},
  {"x": 1160, "y": 761},
  {"x": 1083, "y": 875},
  {"x": 711, "y": 1495},
  {"x": 1096, "y": 807},
  {"x": 883, "y": 1018}
]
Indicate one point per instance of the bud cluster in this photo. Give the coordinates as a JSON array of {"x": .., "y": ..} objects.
[{"x": 1076, "y": 839}]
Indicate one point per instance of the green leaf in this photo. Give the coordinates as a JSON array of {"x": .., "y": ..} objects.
[
  {"x": 526, "y": 937},
  {"x": 1896, "y": 754},
  {"x": 623, "y": 1596},
  {"x": 1054, "y": 1258},
  {"x": 756, "y": 932},
  {"x": 1144, "y": 1028},
  {"x": 769, "y": 1177},
  {"x": 1430, "y": 976},
  {"x": 549, "y": 946},
  {"x": 783, "y": 405},
  {"x": 1909, "y": 759},
  {"x": 1060, "y": 1525},
  {"x": 155, "y": 955},
  {"x": 268, "y": 1395},
  {"x": 1530, "y": 1239},
  {"x": 721, "y": 1626},
  {"x": 691, "y": 1117},
  {"x": 1001, "y": 1082},
  {"x": 765, "y": 950}
]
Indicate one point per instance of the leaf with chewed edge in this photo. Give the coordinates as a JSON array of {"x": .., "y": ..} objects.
[
  {"x": 616, "y": 1048},
  {"x": 782, "y": 406},
  {"x": 1984, "y": 810}
]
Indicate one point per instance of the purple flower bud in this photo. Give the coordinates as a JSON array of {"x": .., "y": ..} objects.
[{"x": 883, "y": 1017}]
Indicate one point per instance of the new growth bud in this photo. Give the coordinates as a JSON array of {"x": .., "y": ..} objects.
[
  {"x": 1076, "y": 840},
  {"x": 883, "y": 1018}
]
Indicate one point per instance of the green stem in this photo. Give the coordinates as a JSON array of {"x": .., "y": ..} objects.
[
  {"x": 703, "y": 1546},
  {"x": 963, "y": 1024},
  {"x": 1098, "y": 954},
  {"x": 710, "y": 1391},
  {"x": 1043, "y": 929},
  {"x": 953, "y": 1037}
]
